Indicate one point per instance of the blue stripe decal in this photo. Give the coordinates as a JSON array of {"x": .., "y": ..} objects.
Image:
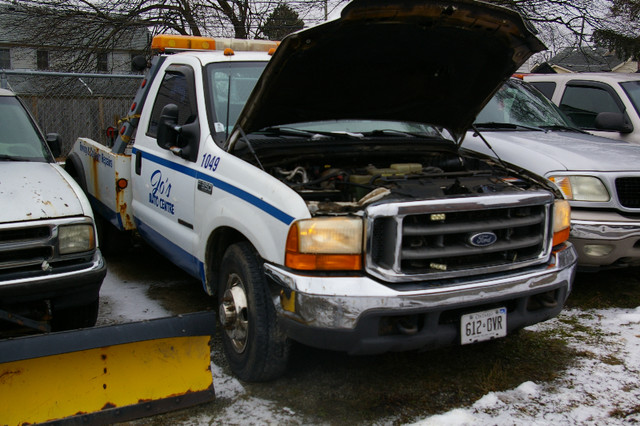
[
  {"x": 101, "y": 209},
  {"x": 235, "y": 191}
]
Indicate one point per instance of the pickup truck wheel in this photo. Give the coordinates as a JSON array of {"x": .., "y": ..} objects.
[
  {"x": 253, "y": 344},
  {"x": 76, "y": 317}
]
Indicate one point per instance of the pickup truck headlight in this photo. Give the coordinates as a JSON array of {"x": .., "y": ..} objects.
[
  {"x": 561, "y": 221},
  {"x": 76, "y": 238},
  {"x": 325, "y": 243},
  {"x": 581, "y": 188}
]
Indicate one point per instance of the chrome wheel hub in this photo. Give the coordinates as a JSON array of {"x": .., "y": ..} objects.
[{"x": 234, "y": 313}]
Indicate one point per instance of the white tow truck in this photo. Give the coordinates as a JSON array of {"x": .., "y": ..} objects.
[{"x": 319, "y": 193}]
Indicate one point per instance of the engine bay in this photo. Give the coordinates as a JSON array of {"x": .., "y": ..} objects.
[{"x": 346, "y": 177}]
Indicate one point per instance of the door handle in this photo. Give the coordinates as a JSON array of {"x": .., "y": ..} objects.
[{"x": 138, "y": 162}]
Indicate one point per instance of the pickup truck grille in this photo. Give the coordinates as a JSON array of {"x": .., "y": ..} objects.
[
  {"x": 458, "y": 237},
  {"x": 30, "y": 250},
  {"x": 628, "y": 189}
]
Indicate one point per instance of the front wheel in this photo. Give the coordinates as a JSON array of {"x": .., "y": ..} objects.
[
  {"x": 254, "y": 345},
  {"x": 75, "y": 317}
]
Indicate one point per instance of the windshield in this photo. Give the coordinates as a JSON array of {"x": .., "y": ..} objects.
[
  {"x": 632, "y": 88},
  {"x": 19, "y": 138},
  {"x": 362, "y": 128},
  {"x": 518, "y": 104},
  {"x": 230, "y": 85}
]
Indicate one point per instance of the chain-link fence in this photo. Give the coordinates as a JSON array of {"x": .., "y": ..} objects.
[{"x": 74, "y": 105}]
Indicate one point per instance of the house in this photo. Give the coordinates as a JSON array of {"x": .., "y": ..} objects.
[
  {"x": 586, "y": 59},
  {"x": 23, "y": 46}
]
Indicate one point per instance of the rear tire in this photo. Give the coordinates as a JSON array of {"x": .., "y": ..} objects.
[{"x": 253, "y": 343}]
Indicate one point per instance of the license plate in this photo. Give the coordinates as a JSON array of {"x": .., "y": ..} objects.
[{"x": 481, "y": 326}]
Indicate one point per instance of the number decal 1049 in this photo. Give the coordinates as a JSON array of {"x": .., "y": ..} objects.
[{"x": 210, "y": 162}]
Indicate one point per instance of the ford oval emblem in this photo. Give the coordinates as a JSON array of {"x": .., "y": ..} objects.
[{"x": 483, "y": 239}]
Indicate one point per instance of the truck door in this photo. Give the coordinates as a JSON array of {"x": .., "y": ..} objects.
[{"x": 163, "y": 168}]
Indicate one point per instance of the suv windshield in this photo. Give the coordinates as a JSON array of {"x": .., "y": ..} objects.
[
  {"x": 632, "y": 89},
  {"x": 517, "y": 104},
  {"x": 19, "y": 139}
]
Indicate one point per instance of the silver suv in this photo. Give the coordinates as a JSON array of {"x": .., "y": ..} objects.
[
  {"x": 604, "y": 104},
  {"x": 600, "y": 177}
]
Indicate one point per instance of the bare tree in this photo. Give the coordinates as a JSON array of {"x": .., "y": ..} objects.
[
  {"x": 101, "y": 25},
  {"x": 78, "y": 30}
]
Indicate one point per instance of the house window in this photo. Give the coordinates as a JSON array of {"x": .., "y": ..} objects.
[
  {"x": 103, "y": 62},
  {"x": 5, "y": 59},
  {"x": 42, "y": 57}
]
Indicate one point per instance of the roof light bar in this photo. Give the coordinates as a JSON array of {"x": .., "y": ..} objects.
[{"x": 172, "y": 42}]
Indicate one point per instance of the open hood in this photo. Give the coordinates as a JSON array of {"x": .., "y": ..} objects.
[{"x": 435, "y": 62}]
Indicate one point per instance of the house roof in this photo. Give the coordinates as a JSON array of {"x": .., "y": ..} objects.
[
  {"x": 20, "y": 28},
  {"x": 586, "y": 59}
]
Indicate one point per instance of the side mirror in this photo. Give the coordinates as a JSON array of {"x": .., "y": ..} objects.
[
  {"x": 615, "y": 121},
  {"x": 168, "y": 129},
  {"x": 183, "y": 140},
  {"x": 53, "y": 140},
  {"x": 139, "y": 63}
]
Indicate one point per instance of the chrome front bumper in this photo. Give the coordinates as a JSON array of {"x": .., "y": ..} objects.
[
  {"x": 334, "y": 307},
  {"x": 620, "y": 239}
]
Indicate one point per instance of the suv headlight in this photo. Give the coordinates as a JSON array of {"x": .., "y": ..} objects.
[
  {"x": 76, "y": 238},
  {"x": 581, "y": 188},
  {"x": 325, "y": 243}
]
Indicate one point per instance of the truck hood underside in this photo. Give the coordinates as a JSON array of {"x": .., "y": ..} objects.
[{"x": 435, "y": 62}]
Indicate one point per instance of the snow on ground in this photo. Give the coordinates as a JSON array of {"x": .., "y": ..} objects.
[
  {"x": 122, "y": 301},
  {"x": 602, "y": 388}
]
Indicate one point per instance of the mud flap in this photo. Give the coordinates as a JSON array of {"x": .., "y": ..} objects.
[{"x": 107, "y": 374}]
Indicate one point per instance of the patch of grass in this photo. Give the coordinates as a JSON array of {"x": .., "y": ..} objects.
[
  {"x": 335, "y": 388},
  {"x": 611, "y": 360},
  {"x": 620, "y": 413},
  {"x": 619, "y": 288}
]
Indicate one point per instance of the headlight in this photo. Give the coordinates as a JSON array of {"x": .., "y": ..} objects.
[
  {"x": 75, "y": 238},
  {"x": 561, "y": 221},
  {"x": 326, "y": 243},
  {"x": 581, "y": 188}
]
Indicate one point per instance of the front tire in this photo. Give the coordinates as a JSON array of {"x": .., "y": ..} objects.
[
  {"x": 253, "y": 344},
  {"x": 82, "y": 316}
]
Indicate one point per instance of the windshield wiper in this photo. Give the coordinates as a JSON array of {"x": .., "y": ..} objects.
[
  {"x": 392, "y": 132},
  {"x": 562, "y": 127},
  {"x": 496, "y": 125},
  {"x": 5, "y": 157}
]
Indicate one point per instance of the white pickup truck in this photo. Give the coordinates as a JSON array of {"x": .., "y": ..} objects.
[
  {"x": 50, "y": 267},
  {"x": 320, "y": 194}
]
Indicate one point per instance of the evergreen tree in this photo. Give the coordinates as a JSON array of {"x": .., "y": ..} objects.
[{"x": 281, "y": 22}]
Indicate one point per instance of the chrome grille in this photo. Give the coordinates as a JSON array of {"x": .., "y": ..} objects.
[
  {"x": 437, "y": 239},
  {"x": 25, "y": 246},
  {"x": 29, "y": 249}
]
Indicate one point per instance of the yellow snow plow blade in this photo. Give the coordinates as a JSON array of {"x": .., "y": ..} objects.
[{"x": 107, "y": 374}]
